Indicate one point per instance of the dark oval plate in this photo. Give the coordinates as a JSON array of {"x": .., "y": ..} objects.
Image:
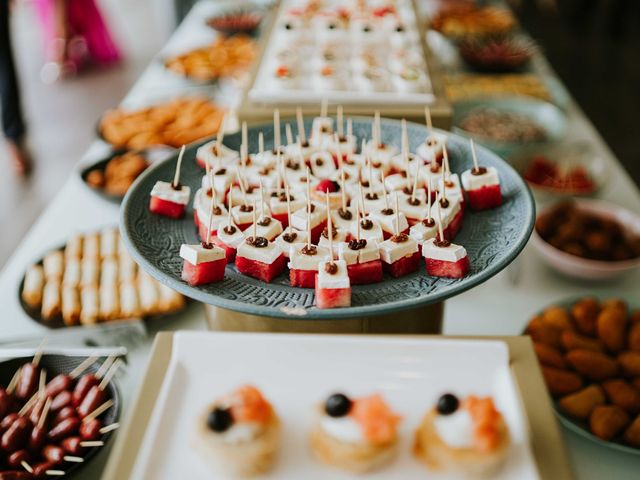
[
  {"x": 150, "y": 154},
  {"x": 580, "y": 427},
  {"x": 57, "y": 322},
  {"x": 101, "y": 165},
  {"x": 55, "y": 364},
  {"x": 493, "y": 238}
]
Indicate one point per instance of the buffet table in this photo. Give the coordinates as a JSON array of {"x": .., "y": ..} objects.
[{"x": 501, "y": 306}]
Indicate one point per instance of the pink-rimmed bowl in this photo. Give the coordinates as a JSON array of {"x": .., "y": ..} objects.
[{"x": 584, "y": 268}]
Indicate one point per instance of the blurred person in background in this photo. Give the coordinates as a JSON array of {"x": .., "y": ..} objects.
[
  {"x": 12, "y": 122},
  {"x": 74, "y": 34}
]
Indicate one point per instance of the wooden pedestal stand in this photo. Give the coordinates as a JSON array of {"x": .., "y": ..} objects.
[{"x": 423, "y": 320}]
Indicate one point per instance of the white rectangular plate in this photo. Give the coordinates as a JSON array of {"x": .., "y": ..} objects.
[{"x": 295, "y": 372}]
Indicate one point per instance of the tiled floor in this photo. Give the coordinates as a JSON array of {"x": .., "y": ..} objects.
[{"x": 603, "y": 73}]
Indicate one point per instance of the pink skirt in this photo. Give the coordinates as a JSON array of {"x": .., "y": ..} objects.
[{"x": 84, "y": 22}]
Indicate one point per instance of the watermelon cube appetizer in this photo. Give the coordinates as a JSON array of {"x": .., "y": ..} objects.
[
  {"x": 483, "y": 188},
  {"x": 370, "y": 230},
  {"x": 243, "y": 215},
  {"x": 333, "y": 288},
  {"x": 203, "y": 263},
  {"x": 259, "y": 258},
  {"x": 424, "y": 230},
  {"x": 400, "y": 255},
  {"x": 339, "y": 236},
  {"x": 267, "y": 227},
  {"x": 289, "y": 237},
  {"x": 303, "y": 264},
  {"x": 344, "y": 219},
  {"x": 215, "y": 156},
  {"x": 228, "y": 237},
  {"x": 451, "y": 214},
  {"x": 390, "y": 222},
  {"x": 169, "y": 201},
  {"x": 414, "y": 209},
  {"x": 431, "y": 150},
  {"x": 445, "y": 259},
  {"x": 318, "y": 220},
  {"x": 363, "y": 261}
]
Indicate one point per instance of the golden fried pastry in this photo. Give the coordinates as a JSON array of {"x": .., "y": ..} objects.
[
  {"x": 557, "y": 317},
  {"x": 593, "y": 365},
  {"x": 174, "y": 123},
  {"x": 585, "y": 315},
  {"x": 226, "y": 57},
  {"x": 580, "y": 404},
  {"x": 611, "y": 328},
  {"x": 540, "y": 332},
  {"x": 469, "y": 20},
  {"x": 549, "y": 356},
  {"x": 561, "y": 382},
  {"x": 573, "y": 341},
  {"x": 623, "y": 394},
  {"x": 630, "y": 362},
  {"x": 632, "y": 433},
  {"x": 607, "y": 421},
  {"x": 633, "y": 339}
]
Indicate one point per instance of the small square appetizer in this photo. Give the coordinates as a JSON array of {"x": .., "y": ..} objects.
[
  {"x": 469, "y": 437},
  {"x": 304, "y": 260},
  {"x": 363, "y": 261},
  {"x": 339, "y": 236},
  {"x": 482, "y": 185},
  {"x": 355, "y": 435},
  {"x": 400, "y": 255},
  {"x": 170, "y": 199},
  {"x": 289, "y": 237},
  {"x": 445, "y": 259},
  {"x": 228, "y": 236},
  {"x": 259, "y": 258},
  {"x": 215, "y": 154},
  {"x": 240, "y": 432},
  {"x": 333, "y": 288},
  {"x": 390, "y": 220},
  {"x": 203, "y": 263},
  {"x": 451, "y": 213}
]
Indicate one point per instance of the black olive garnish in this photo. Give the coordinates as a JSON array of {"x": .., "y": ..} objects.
[
  {"x": 337, "y": 405},
  {"x": 219, "y": 419},
  {"x": 447, "y": 404}
]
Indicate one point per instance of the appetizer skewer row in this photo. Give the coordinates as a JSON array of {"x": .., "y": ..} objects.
[
  {"x": 240, "y": 433},
  {"x": 321, "y": 208},
  {"x": 46, "y": 427}
]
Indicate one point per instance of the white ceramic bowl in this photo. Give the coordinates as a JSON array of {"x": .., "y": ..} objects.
[{"x": 583, "y": 268}]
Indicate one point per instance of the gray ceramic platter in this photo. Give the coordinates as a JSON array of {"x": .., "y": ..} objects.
[{"x": 493, "y": 238}]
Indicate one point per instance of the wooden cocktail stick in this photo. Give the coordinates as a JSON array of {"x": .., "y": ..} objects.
[
  {"x": 302, "y": 136},
  {"x": 176, "y": 177}
]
